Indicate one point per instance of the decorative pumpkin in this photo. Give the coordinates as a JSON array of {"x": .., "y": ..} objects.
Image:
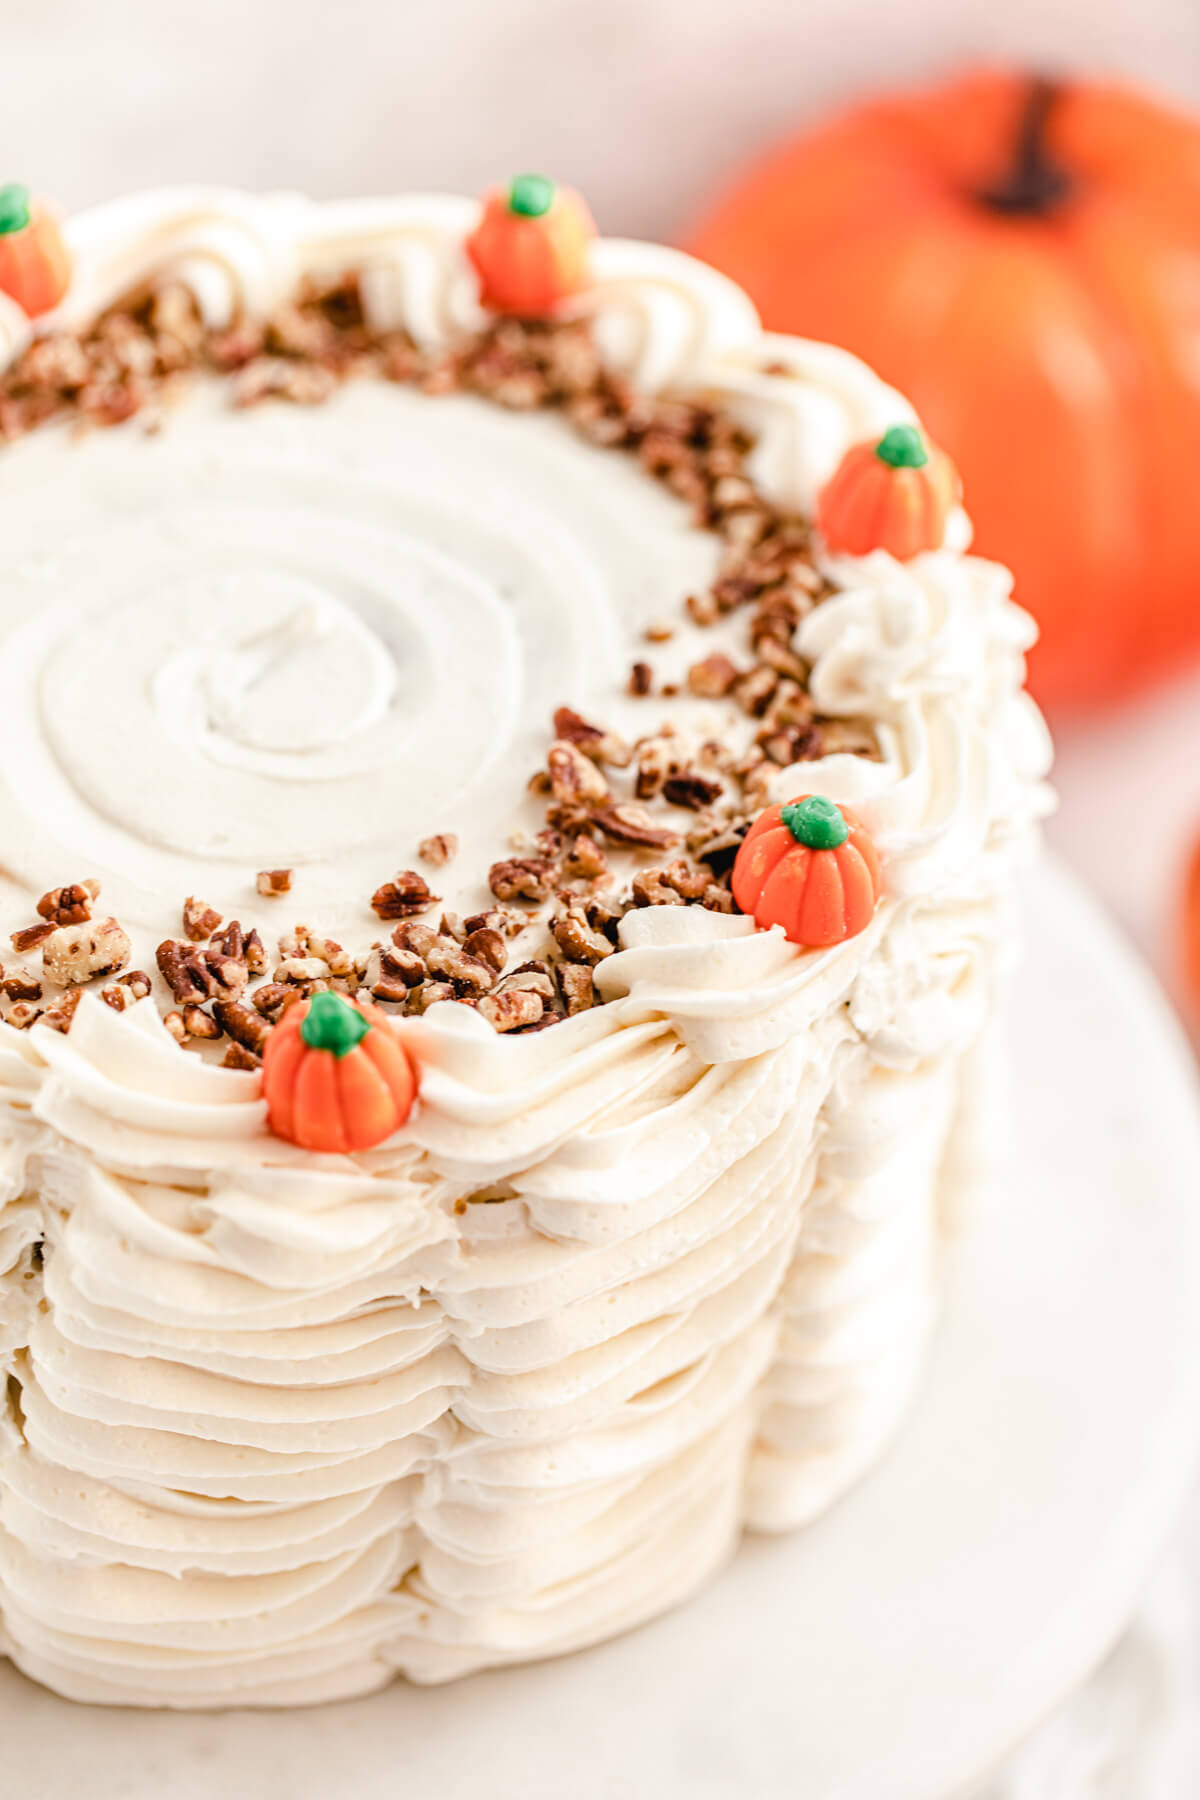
[
  {"x": 810, "y": 867},
  {"x": 891, "y": 494},
  {"x": 35, "y": 266},
  {"x": 530, "y": 248},
  {"x": 335, "y": 1076},
  {"x": 1022, "y": 261},
  {"x": 1191, "y": 932}
]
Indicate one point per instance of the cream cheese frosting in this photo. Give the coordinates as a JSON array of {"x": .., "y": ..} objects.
[{"x": 280, "y": 1427}]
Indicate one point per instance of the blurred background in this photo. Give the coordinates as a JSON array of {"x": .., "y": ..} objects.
[
  {"x": 661, "y": 112},
  {"x": 652, "y": 108}
]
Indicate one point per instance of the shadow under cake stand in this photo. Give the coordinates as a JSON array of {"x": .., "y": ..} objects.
[{"x": 897, "y": 1649}]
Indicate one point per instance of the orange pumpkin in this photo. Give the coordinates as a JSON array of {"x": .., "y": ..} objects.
[
  {"x": 335, "y": 1076},
  {"x": 810, "y": 867},
  {"x": 530, "y": 248},
  {"x": 1191, "y": 932},
  {"x": 893, "y": 493},
  {"x": 35, "y": 266},
  {"x": 1022, "y": 261}
]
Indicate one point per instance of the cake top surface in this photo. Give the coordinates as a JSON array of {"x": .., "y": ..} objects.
[{"x": 347, "y": 662}]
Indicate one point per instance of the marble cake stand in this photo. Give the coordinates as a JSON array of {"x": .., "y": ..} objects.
[{"x": 898, "y": 1649}]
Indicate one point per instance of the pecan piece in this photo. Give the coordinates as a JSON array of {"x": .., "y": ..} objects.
[
  {"x": 691, "y": 789},
  {"x": 238, "y": 1057},
  {"x": 522, "y": 878},
  {"x": 579, "y": 941},
  {"x": 272, "y": 882},
  {"x": 641, "y": 680},
  {"x": 488, "y": 946},
  {"x": 512, "y": 1010},
  {"x": 199, "y": 919},
  {"x": 439, "y": 849},
  {"x": 245, "y": 1026},
  {"x": 199, "y": 1024},
  {"x": 577, "y": 986},
  {"x": 31, "y": 936},
  {"x": 573, "y": 776},
  {"x": 19, "y": 984},
  {"x": 584, "y": 858},
  {"x": 712, "y": 678},
  {"x": 404, "y": 897},
  {"x": 70, "y": 905},
  {"x": 602, "y": 746},
  {"x": 469, "y": 974},
  {"x": 627, "y": 824}
]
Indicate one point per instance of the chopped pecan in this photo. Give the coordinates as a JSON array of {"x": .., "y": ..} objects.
[
  {"x": 415, "y": 937},
  {"x": 301, "y": 969},
  {"x": 272, "y": 882},
  {"x": 702, "y": 609},
  {"x": 469, "y": 974},
  {"x": 497, "y": 918},
  {"x": 76, "y": 953},
  {"x": 439, "y": 849},
  {"x": 659, "y": 631},
  {"x": 254, "y": 953},
  {"x": 31, "y": 936},
  {"x": 118, "y": 996},
  {"x": 273, "y": 998},
  {"x": 602, "y": 746},
  {"x": 199, "y": 920},
  {"x": 432, "y": 993},
  {"x": 657, "y": 757},
  {"x": 627, "y": 824},
  {"x": 23, "y": 1015},
  {"x": 720, "y": 851},
  {"x": 577, "y": 986},
  {"x": 488, "y": 945},
  {"x": 199, "y": 1024},
  {"x": 584, "y": 858},
  {"x": 641, "y": 679},
  {"x": 651, "y": 888},
  {"x": 753, "y": 691},
  {"x": 522, "y": 878},
  {"x": 579, "y": 941},
  {"x": 19, "y": 984},
  {"x": 404, "y": 897},
  {"x": 59, "y": 1014},
  {"x": 244, "y": 1025},
  {"x": 712, "y": 678},
  {"x": 691, "y": 789},
  {"x": 574, "y": 776},
  {"x": 512, "y": 1010},
  {"x": 238, "y": 1057},
  {"x": 70, "y": 905}
]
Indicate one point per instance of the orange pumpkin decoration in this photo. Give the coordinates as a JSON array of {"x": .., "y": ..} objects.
[
  {"x": 335, "y": 1076},
  {"x": 1191, "y": 932},
  {"x": 35, "y": 266},
  {"x": 1021, "y": 260},
  {"x": 810, "y": 867},
  {"x": 530, "y": 248},
  {"x": 893, "y": 494}
]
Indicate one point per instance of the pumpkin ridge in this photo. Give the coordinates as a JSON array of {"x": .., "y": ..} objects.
[
  {"x": 858, "y": 889},
  {"x": 316, "y": 1114},
  {"x": 758, "y": 866},
  {"x": 776, "y": 903},
  {"x": 822, "y": 910},
  {"x": 368, "y": 1107}
]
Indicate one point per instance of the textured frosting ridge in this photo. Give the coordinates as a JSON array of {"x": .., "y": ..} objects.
[{"x": 281, "y": 1427}]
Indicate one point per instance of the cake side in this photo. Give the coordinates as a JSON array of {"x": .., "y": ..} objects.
[{"x": 279, "y": 1426}]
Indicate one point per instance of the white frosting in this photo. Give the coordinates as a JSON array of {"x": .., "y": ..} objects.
[{"x": 281, "y": 1425}]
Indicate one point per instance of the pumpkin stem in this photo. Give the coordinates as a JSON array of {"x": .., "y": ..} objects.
[
  {"x": 1033, "y": 184},
  {"x": 530, "y": 196},
  {"x": 902, "y": 447},
  {"x": 816, "y": 823},
  {"x": 331, "y": 1023},
  {"x": 14, "y": 207}
]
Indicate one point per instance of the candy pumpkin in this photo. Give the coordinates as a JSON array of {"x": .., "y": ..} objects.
[
  {"x": 335, "y": 1076},
  {"x": 1023, "y": 261},
  {"x": 530, "y": 248},
  {"x": 1191, "y": 932},
  {"x": 35, "y": 267},
  {"x": 892, "y": 493},
  {"x": 810, "y": 867}
]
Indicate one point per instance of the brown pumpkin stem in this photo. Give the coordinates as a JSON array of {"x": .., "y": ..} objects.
[{"x": 1034, "y": 184}]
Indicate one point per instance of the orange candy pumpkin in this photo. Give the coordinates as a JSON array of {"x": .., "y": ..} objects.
[
  {"x": 530, "y": 248},
  {"x": 810, "y": 867},
  {"x": 1023, "y": 262},
  {"x": 893, "y": 493},
  {"x": 335, "y": 1076},
  {"x": 35, "y": 266}
]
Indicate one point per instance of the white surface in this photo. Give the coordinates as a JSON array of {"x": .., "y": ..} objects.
[
  {"x": 901, "y": 1646},
  {"x": 645, "y": 103}
]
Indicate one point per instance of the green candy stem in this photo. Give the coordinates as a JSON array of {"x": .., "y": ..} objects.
[
  {"x": 816, "y": 823},
  {"x": 14, "y": 207},
  {"x": 331, "y": 1023},
  {"x": 902, "y": 447},
  {"x": 530, "y": 196}
]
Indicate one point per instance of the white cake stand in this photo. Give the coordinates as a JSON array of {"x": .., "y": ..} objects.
[{"x": 899, "y": 1648}]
